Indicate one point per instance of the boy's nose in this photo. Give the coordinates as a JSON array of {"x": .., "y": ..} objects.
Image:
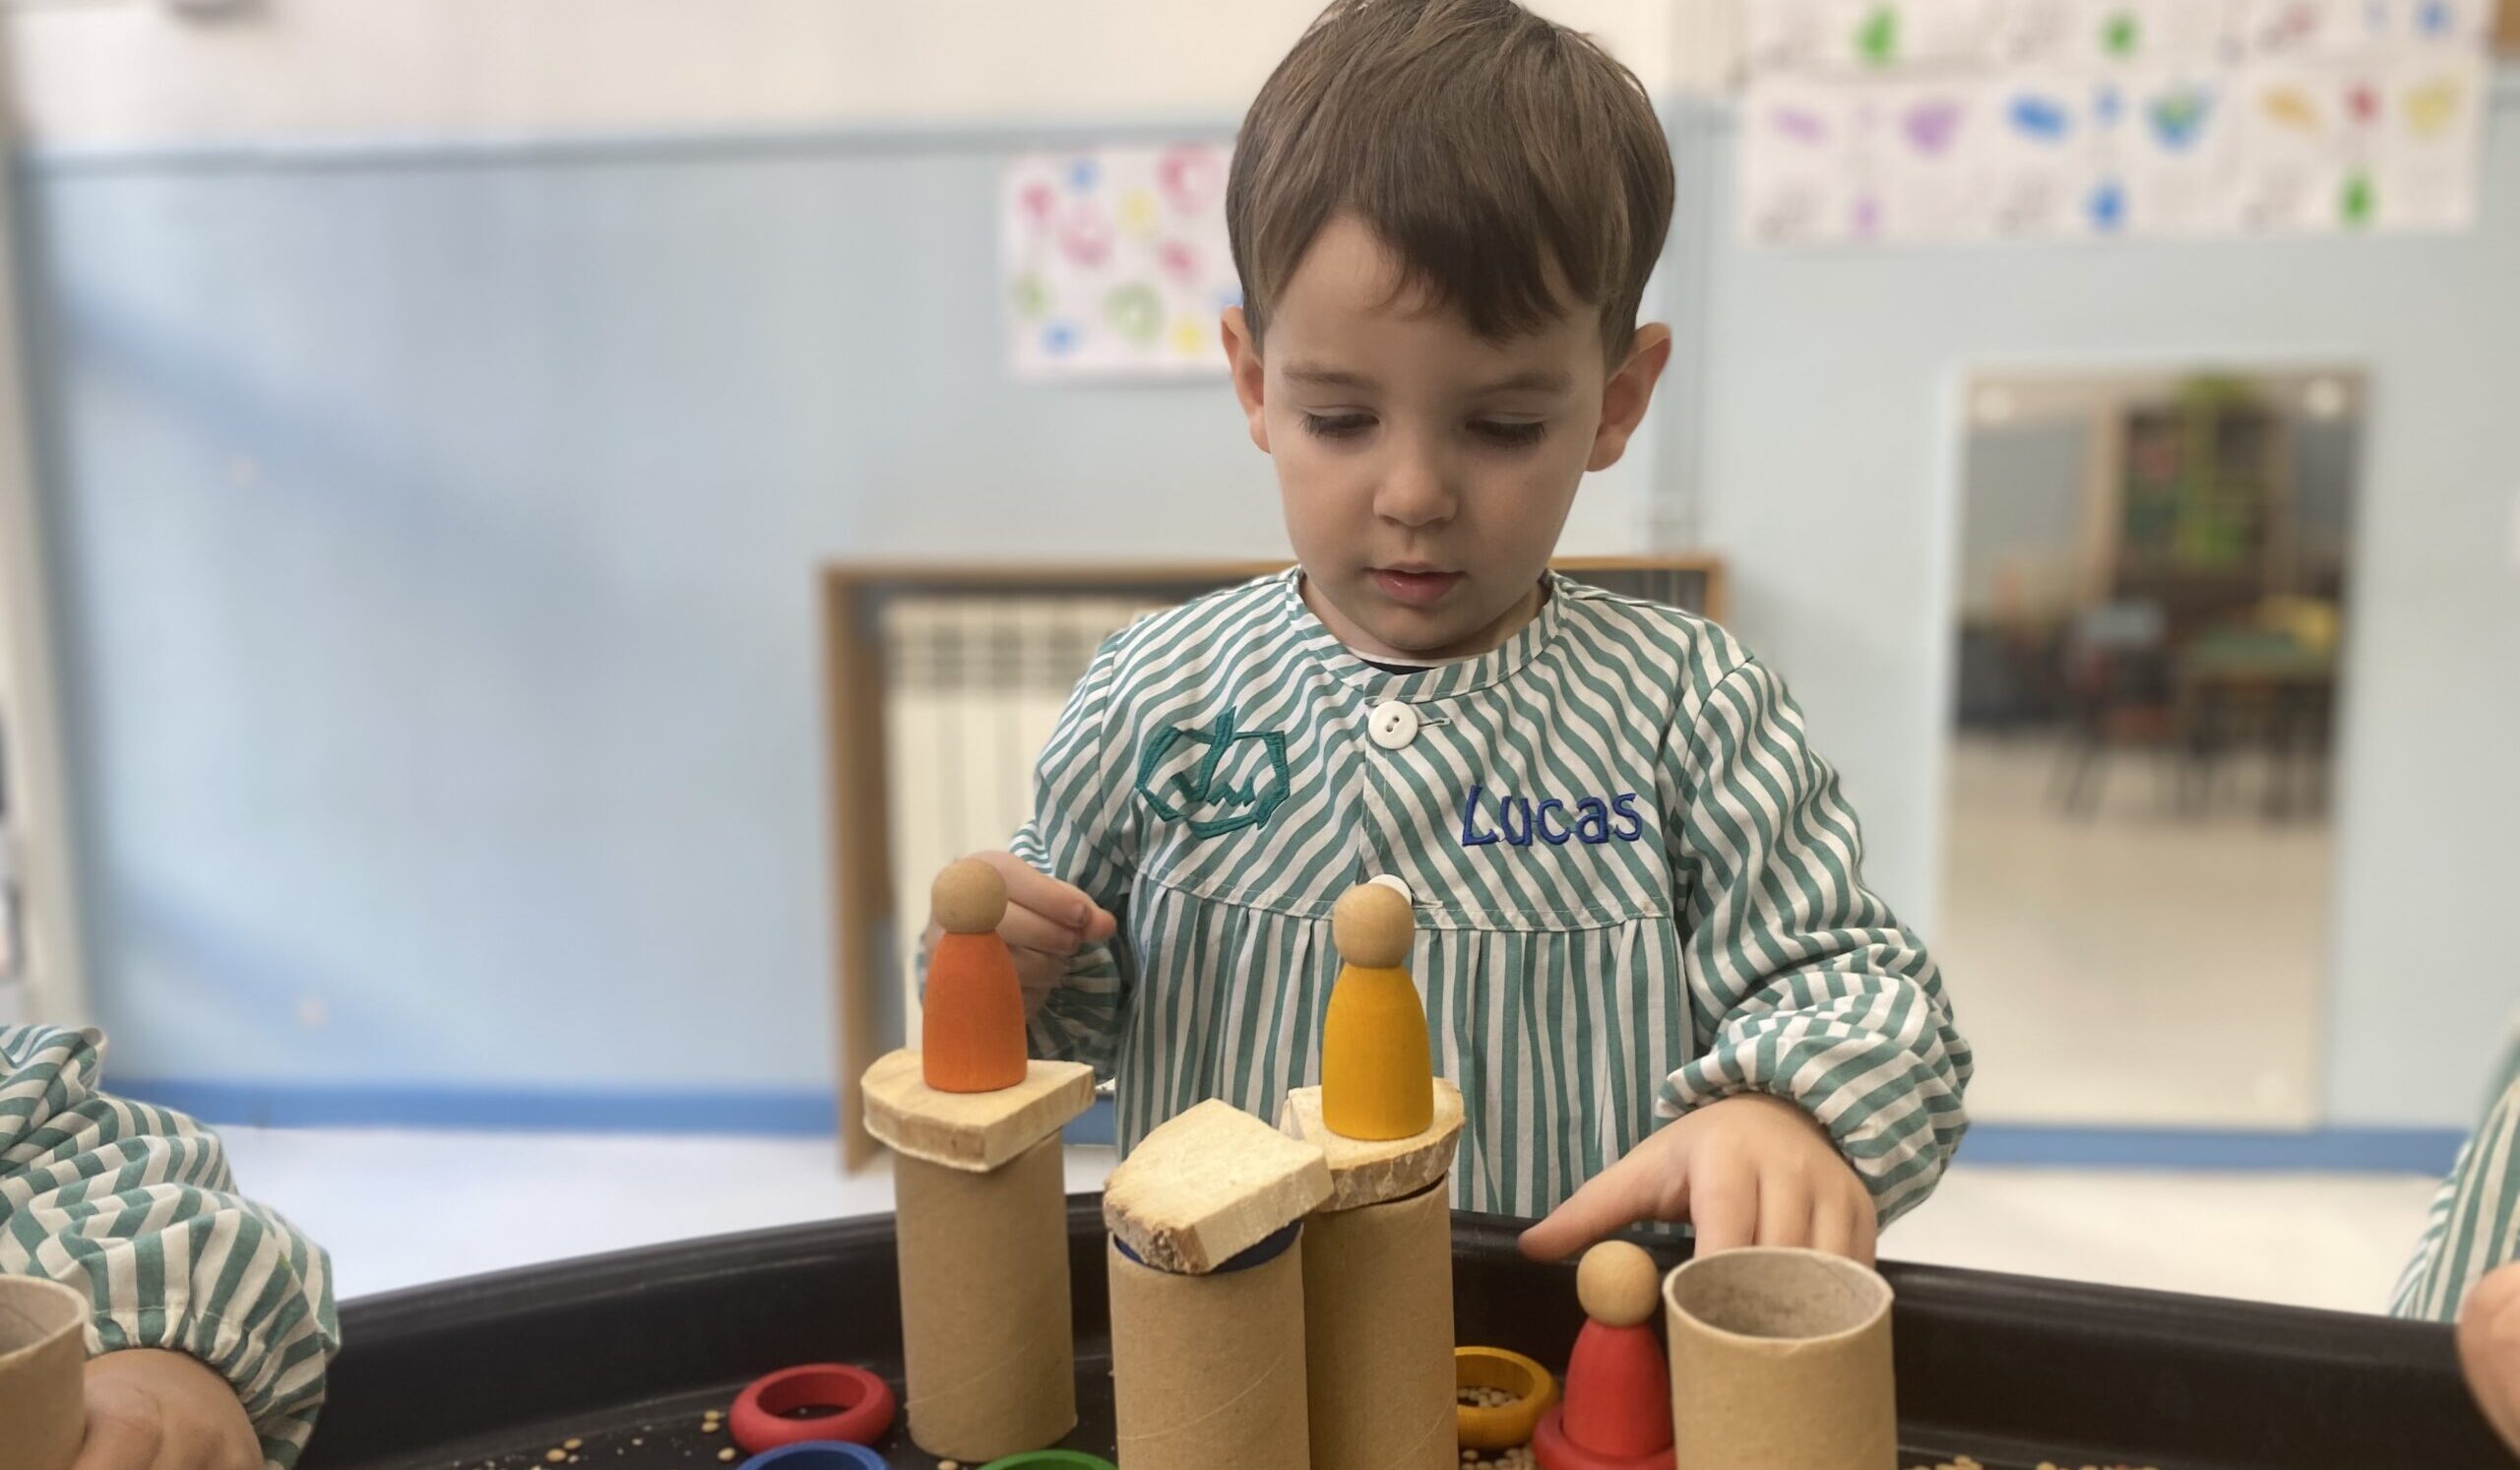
[{"x": 1414, "y": 492}]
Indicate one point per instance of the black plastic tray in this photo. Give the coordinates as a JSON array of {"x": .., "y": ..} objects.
[{"x": 624, "y": 1352}]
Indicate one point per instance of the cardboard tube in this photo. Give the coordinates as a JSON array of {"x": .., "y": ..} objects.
[
  {"x": 43, "y": 1350},
  {"x": 1781, "y": 1359},
  {"x": 1378, "y": 1335},
  {"x": 987, "y": 1341},
  {"x": 1207, "y": 1372}
]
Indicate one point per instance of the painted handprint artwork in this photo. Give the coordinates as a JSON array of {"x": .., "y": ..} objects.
[
  {"x": 1113, "y": 261},
  {"x": 1918, "y": 121}
]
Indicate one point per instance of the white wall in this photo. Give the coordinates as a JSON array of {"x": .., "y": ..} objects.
[
  {"x": 34, "y": 832},
  {"x": 123, "y": 71}
]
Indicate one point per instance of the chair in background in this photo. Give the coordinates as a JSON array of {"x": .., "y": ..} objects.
[
  {"x": 2265, "y": 682},
  {"x": 2119, "y": 693}
]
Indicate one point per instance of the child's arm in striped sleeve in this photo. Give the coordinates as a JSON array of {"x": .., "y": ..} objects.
[
  {"x": 1807, "y": 988},
  {"x": 2474, "y": 1226},
  {"x": 1076, "y": 837},
  {"x": 133, "y": 1206}
]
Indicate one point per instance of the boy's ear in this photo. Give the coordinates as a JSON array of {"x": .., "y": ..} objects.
[
  {"x": 1630, "y": 389},
  {"x": 1242, "y": 354}
]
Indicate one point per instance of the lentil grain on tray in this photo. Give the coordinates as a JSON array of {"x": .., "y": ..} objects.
[{"x": 1517, "y": 1458}]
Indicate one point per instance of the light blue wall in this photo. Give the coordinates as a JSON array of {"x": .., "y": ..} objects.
[
  {"x": 435, "y": 532},
  {"x": 1825, "y": 472}
]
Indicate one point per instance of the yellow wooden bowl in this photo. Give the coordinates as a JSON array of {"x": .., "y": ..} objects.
[{"x": 1508, "y": 1424}]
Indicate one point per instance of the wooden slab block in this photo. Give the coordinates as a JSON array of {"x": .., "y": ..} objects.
[
  {"x": 1363, "y": 1172},
  {"x": 974, "y": 1132},
  {"x": 1209, "y": 1184}
]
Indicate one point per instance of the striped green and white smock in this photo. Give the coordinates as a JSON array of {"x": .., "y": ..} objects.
[
  {"x": 2474, "y": 1223},
  {"x": 1637, "y": 888},
  {"x": 133, "y": 1205}
]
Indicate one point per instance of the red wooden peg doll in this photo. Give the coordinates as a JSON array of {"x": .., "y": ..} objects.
[{"x": 1618, "y": 1411}]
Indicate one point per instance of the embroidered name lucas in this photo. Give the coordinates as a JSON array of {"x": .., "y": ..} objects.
[{"x": 1518, "y": 821}]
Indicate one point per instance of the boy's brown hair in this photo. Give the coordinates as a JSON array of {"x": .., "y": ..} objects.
[{"x": 1514, "y": 166}]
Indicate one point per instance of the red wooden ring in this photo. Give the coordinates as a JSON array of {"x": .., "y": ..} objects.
[
  {"x": 864, "y": 1412},
  {"x": 1554, "y": 1451}
]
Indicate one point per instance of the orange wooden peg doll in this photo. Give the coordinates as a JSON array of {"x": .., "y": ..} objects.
[{"x": 971, "y": 1023}]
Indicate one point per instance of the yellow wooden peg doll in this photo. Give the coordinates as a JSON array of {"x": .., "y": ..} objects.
[{"x": 1377, "y": 1079}]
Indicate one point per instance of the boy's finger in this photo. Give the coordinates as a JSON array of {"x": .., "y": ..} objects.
[
  {"x": 1867, "y": 1227},
  {"x": 1725, "y": 1211},
  {"x": 1037, "y": 973},
  {"x": 1024, "y": 928},
  {"x": 1784, "y": 1213},
  {"x": 1611, "y": 1201},
  {"x": 1845, "y": 1224},
  {"x": 1833, "y": 1230},
  {"x": 1028, "y": 887}
]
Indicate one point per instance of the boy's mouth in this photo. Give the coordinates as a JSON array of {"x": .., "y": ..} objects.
[{"x": 1415, "y": 586}]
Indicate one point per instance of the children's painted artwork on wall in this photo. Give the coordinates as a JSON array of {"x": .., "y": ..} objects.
[
  {"x": 1115, "y": 261},
  {"x": 1920, "y": 121}
]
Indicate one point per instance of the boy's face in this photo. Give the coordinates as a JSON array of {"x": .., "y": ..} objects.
[{"x": 1427, "y": 471}]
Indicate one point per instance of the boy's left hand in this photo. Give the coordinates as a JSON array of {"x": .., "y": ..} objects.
[
  {"x": 154, "y": 1410},
  {"x": 1747, "y": 1171}
]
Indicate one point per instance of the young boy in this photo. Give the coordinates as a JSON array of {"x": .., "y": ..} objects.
[
  {"x": 212, "y": 1317},
  {"x": 1637, "y": 889}
]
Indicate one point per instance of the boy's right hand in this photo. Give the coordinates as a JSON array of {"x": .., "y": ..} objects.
[
  {"x": 149, "y": 1409},
  {"x": 1046, "y": 923},
  {"x": 2489, "y": 1347}
]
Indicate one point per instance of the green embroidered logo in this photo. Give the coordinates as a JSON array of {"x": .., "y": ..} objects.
[{"x": 1215, "y": 779}]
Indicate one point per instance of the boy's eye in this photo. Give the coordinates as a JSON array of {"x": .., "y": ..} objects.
[
  {"x": 1509, "y": 434},
  {"x": 1337, "y": 426}
]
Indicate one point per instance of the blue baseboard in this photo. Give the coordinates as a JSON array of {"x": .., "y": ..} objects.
[
  {"x": 787, "y": 1112},
  {"x": 801, "y": 1112},
  {"x": 807, "y": 1111},
  {"x": 1100, "y": 1126}
]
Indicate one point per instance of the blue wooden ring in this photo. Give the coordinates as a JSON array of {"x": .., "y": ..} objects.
[{"x": 817, "y": 1454}]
